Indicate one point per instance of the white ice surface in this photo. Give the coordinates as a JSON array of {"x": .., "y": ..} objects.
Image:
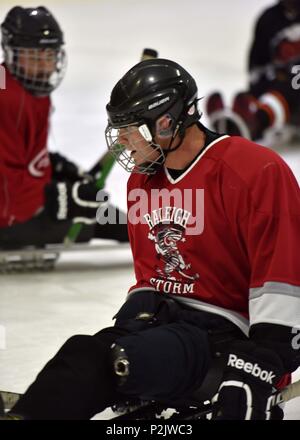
[{"x": 104, "y": 39}]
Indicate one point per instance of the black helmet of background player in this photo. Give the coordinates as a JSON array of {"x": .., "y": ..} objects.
[
  {"x": 291, "y": 7},
  {"x": 33, "y": 49},
  {"x": 150, "y": 90}
]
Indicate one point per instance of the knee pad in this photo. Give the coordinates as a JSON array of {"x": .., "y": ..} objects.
[
  {"x": 89, "y": 353},
  {"x": 164, "y": 362},
  {"x": 82, "y": 352},
  {"x": 75, "y": 384}
]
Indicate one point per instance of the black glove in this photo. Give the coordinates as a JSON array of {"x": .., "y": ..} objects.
[
  {"x": 247, "y": 383},
  {"x": 76, "y": 201},
  {"x": 64, "y": 169}
]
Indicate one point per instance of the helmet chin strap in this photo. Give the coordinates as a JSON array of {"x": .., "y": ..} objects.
[
  {"x": 180, "y": 131},
  {"x": 181, "y": 126}
]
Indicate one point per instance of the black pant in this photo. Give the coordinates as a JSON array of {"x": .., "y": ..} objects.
[
  {"x": 175, "y": 348},
  {"x": 41, "y": 230}
]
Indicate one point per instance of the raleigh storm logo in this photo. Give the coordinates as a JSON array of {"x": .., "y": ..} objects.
[{"x": 167, "y": 230}]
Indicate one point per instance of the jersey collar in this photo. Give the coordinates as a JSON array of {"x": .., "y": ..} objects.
[{"x": 182, "y": 176}]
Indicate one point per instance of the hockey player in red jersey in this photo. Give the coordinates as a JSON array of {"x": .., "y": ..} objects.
[
  {"x": 214, "y": 231},
  {"x": 40, "y": 192},
  {"x": 272, "y": 100}
]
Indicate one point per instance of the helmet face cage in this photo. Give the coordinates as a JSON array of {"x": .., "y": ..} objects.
[
  {"x": 39, "y": 70},
  {"x": 151, "y": 155}
]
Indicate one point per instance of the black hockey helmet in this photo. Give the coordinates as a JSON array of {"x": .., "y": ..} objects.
[
  {"x": 33, "y": 28},
  {"x": 150, "y": 89}
]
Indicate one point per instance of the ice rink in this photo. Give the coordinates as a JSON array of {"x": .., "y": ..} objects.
[{"x": 104, "y": 38}]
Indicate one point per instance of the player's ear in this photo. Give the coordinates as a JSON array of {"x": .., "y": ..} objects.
[{"x": 164, "y": 126}]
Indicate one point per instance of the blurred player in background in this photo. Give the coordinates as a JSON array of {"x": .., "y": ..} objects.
[
  {"x": 41, "y": 193},
  {"x": 272, "y": 101}
]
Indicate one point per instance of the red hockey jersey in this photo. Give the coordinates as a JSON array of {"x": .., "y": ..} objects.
[
  {"x": 224, "y": 236},
  {"x": 24, "y": 162}
]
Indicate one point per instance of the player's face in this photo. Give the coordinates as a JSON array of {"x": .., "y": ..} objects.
[
  {"x": 37, "y": 63},
  {"x": 140, "y": 150}
]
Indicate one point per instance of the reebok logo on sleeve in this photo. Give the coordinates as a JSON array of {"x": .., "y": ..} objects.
[{"x": 248, "y": 367}]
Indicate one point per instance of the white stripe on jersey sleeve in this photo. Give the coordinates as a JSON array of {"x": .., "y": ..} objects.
[{"x": 276, "y": 303}]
